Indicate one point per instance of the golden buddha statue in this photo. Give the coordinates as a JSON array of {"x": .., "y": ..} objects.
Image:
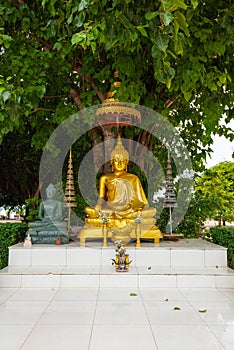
[{"x": 121, "y": 202}]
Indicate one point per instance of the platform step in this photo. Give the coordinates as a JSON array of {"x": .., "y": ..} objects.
[
  {"x": 70, "y": 277},
  {"x": 193, "y": 252},
  {"x": 186, "y": 263}
]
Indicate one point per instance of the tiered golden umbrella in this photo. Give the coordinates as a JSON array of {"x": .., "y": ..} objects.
[
  {"x": 69, "y": 196},
  {"x": 170, "y": 198}
]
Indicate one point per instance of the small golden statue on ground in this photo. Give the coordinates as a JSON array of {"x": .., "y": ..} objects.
[
  {"x": 121, "y": 260},
  {"x": 121, "y": 200}
]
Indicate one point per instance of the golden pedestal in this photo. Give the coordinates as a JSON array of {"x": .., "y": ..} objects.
[{"x": 130, "y": 230}]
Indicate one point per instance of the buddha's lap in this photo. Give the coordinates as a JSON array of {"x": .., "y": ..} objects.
[
  {"x": 119, "y": 223},
  {"x": 43, "y": 224},
  {"x": 124, "y": 214}
]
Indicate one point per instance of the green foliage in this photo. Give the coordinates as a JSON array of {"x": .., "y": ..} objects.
[
  {"x": 79, "y": 210},
  {"x": 58, "y": 57},
  {"x": 10, "y": 234},
  {"x": 175, "y": 48},
  {"x": 212, "y": 199},
  {"x": 32, "y": 209},
  {"x": 218, "y": 183},
  {"x": 198, "y": 211},
  {"x": 163, "y": 220},
  {"x": 19, "y": 163},
  {"x": 224, "y": 236}
]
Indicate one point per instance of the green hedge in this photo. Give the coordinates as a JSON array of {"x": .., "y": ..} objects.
[
  {"x": 10, "y": 234},
  {"x": 224, "y": 236}
]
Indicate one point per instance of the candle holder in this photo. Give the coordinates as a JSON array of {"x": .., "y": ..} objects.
[
  {"x": 105, "y": 221},
  {"x": 138, "y": 221}
]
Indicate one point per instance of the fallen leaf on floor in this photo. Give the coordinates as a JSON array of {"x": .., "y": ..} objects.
[
  {"x": 177, "y": 308},
  {"x": 133, "y": 294},
  {"x": 202, "y": 311}
]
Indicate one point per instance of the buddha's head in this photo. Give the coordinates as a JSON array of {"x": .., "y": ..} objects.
[
  {"x": 50, "y": 191},
  {"x": 119, "y": 157}
]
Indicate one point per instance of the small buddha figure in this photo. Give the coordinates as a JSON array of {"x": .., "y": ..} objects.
[
  {"x": 50, "y": 212},
  {"x": 50, "y": 223},
  {"x": 28, "y": 241},
  {"x": 121, "y": 195}
]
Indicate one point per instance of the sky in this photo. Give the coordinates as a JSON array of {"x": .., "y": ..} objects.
[{"x": 222, "y": 150}]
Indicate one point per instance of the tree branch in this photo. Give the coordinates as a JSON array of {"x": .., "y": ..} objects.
[
  {"x": 98, "y": 92},
  {"x": 42, "y": 109},
  {"x": 55, "y": 96},
  {"x": 74, "y": 94},
  {"x": 47, "y": 45}
]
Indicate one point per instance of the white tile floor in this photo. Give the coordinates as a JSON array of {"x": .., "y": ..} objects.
[
  {"x": 113, "y": 318},
  {"x": 63, "y": 303}
]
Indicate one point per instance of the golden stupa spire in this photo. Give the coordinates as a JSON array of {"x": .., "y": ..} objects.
[{"x": 69, "y": 196}]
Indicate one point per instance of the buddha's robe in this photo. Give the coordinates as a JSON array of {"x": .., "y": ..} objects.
[
  {"x": 50, "y": 215},
  {"x": 123, "y": 197},
  {"x": 125, "y": 194}
]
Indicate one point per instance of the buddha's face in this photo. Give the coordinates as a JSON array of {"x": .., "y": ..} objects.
[
  {"x": 119, "y": 164},
  {"x": 50, "y": 193}
]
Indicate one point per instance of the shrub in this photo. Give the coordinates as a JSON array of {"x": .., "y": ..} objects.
[
  {"x": 32, "y": 208},
  {"x": 224, "y": 236},
  {"x": 10, "y": 234}
]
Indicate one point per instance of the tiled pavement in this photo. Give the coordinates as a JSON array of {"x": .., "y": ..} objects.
[{"x": 116, "y": 318}]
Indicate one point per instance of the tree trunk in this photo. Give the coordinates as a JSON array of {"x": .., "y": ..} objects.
[
  {"x": 98, "y": 157},
  {"x": 108, "y": 135}
]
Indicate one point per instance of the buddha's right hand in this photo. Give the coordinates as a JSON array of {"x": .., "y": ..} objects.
[
  {"x": 91, "y": 212},
  {"x": 98, "y": 208}
]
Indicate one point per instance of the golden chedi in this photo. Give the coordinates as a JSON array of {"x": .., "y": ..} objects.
[{"x": 121, "y": 200}]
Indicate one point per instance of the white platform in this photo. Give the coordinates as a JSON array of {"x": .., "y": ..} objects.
[{"x": 185, "y": 263}]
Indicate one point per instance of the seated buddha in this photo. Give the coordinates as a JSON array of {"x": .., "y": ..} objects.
[
  {"x": 50, "y": 223},
  {"x": 121, "y": 195},
  {"x": 121, "y": 198},
  {"x": 50, "y": 212}
]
